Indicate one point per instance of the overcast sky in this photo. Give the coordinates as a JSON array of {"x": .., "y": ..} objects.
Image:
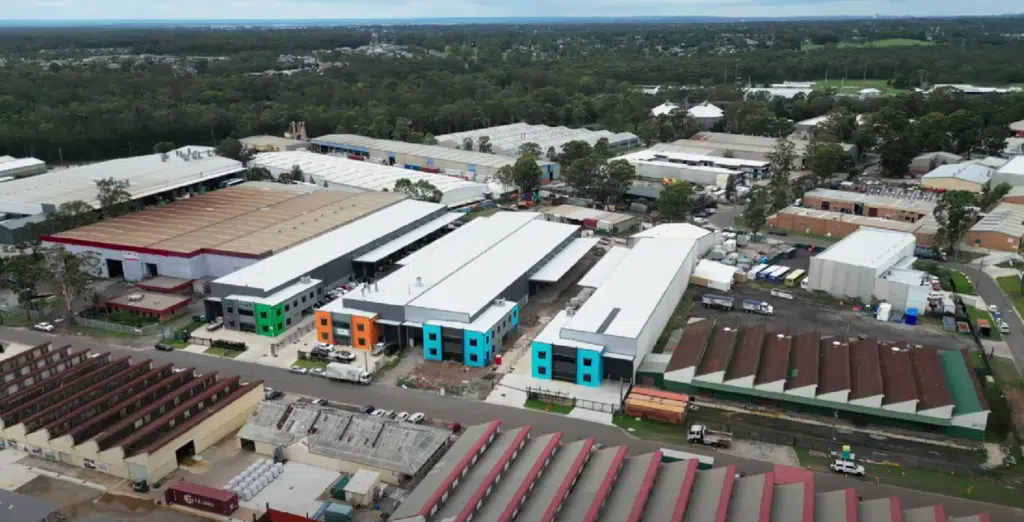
[{"x": 342, "y": 9}]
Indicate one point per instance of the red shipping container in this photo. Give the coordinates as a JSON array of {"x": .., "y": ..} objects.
[
  {"x": 355, "y": 157},
  {"x": 200, "y": 497},
  {"x": 590, "y": 223}
]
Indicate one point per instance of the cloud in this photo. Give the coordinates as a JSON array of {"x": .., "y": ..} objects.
[{"x": 353, "y": 9}]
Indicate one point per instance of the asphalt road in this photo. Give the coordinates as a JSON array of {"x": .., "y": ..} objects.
[
  {"x": 470, "y": 412},
  {"x": 990, "y": 292}
]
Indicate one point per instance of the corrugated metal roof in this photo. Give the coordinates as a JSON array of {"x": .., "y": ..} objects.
[
  {"x": 747, "y": 356},
  {"x": 932, "y": 383},
  {"x": 805, "y": 359},
  {"x": 1006, "y": 218},
  {"x": 774, "y": 365},
  {"x": 691, "y": 346},
  {"x": 963, "y": 171},
  {"x": 865, "y": 370},
  {"x": 919, "y": 205},
  {"x": 565, "y": 260},
  {"x": 468, "y": 157},
  {"x": 897, "y": 375},
  {"x": 604, "y": 268},
  {"x": 868, "y": 247},
  {"x": 967, "y": 393},
  {"x": 721, "y": 350}
]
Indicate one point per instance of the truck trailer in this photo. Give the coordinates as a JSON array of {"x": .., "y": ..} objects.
[
  {"x": 753, "y": 306},
  {"x": 720, "y": 302},
  {"x": 700, "y": 434},
  {"x": 347, "y": 373}
]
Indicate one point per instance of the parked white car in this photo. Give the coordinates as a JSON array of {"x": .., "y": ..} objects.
[
  {"x": 44, "y": 327},
  {"x": 847, "y": 467},
  {"x": 993, "y": 309},
  {"x": 416, "y": 418},
  {"x": 299, "y": 370},
  {"x": 402, "y": 416}
]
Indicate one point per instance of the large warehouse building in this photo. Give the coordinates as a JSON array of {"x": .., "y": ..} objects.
[
  {"x": 885, "y": 382},
  {"x": 755, "y": 148},
  {"x": 499, "y": 475},
  {"x": 11, "y": 167},
  {"x": 344, "y": 441},
  {"x": 666, "y": 161},
  {"x": 506, "y": 139},
  {"x": 267, "y": 297},
  {"x": 135, "y": 420},
  {"x": 613, "y": 329},
  {"x": 217, "y": 233},
  {"x": 460, "y": 296},
  {"x": 1002, "y": 228},
  {"x": 467, "y": 164},
  {"x": 872, "y": 263},
  {"x": 176, "y": 174},
  {"x": 360, "y": 176}
]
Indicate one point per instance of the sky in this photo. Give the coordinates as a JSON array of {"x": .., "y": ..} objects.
[{"x": 361, "y": 9}]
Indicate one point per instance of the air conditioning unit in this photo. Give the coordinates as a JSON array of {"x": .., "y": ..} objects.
[{"x": 135, "y": 297}]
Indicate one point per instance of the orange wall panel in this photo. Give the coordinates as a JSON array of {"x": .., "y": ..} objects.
[
  {"x": 324, "y": 327},
  {"x": 367, "y": 337}
]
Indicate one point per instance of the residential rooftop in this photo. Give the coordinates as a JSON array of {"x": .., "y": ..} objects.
[
  {"x": 146, "y": 175},
  {"x": 253, "y": 219}
]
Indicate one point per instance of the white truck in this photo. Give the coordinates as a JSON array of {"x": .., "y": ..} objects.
[
  {"x": 847, "y": 467},
  {"x": 347, "y": 373},
  {"x": 700, "y": 434},
  {"x": 720, "y": 302},
  {"x": 753, "y": 306}
]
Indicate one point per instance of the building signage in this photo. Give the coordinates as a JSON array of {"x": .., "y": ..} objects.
[{"x": 130, "y": 256}]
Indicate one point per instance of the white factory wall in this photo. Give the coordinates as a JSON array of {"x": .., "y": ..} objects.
[
  {"x": 677, "y": 171},
  {"x": 902, "y": 295},
  {"x": 977, "y": 420},
  {"x": 659, "y": 318},
  {"x": 845, "y": 280},
  {"x": 203, "y": 265},
  {"x": 219, "y": 265}
]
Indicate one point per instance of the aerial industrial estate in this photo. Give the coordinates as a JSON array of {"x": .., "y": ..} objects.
[{"x": 697, "y": 320}]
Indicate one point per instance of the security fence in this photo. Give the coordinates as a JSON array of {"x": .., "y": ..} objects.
[{"x": 149, "y": 329}]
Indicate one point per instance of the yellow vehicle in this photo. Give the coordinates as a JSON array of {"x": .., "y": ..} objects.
[{"x": 794, "y": 278}]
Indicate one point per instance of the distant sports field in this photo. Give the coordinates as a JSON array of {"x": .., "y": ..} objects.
[{"x": 890, "y": 42}]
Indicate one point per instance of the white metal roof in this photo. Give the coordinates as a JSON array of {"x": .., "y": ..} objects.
[
  {"x": 16, "y": 163},
  {"x": 868, "y": 247},
  {"x": 714, "y": 271},
  {"x": 624, "y": 302},
  {"x": 578, "y": 213},
  {"x": 674, "y": 231},
  {"x": 814, "y": 122},
  {"x": 705, "y": 111},
  {"x": 1006, "y": 218},
  {"x": 565, "y": 260},
  {"x": 415, "y": 235},
  {"x": 683, "y": 152},
  {"x": 468, "y": 157},
  {"x": 146, "y": 175},
  {"x": 552, "y": 334},
  {"x": 1014, "y": 167},
  {"x": 442, "y": 258},
  {"x": 301, "y": 259},
  {"x": 483, "y": 279},
  {"x": 604, "y": 267},
  {"x": 663, "y": 109},
  {"x": 971, "y": 172},
  {"x": 508, "y": 138},
  {"x": 1017, "y": 126},
  {"x": 368, "y": 175},
  {"x": 483, "y": 322}
]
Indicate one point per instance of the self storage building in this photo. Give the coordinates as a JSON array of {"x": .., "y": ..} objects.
[
  {"x": 134, "y": 420},
  {"x": 467, "y": 164}
]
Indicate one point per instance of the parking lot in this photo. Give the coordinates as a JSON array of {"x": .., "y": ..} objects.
[
  {"x": 804, "y": 313},
  {"x": 80, "y": 502}
]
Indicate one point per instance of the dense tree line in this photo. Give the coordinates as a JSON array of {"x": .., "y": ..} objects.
[{"x": 470, "y": 78}]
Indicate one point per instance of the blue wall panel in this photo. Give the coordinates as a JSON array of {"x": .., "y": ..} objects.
[
  {"x": 588, "y": 365},
  {"x": 479, "y": 355},
  {"x": 541, "y": 357},
  {"x": 515, "y": 317},
  {"x": 432, "y": 342}
]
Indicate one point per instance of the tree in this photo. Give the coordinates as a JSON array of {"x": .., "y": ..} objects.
[
  {"x": 896, "y": 151},
  {"x": 113, "y": 197},
  {"x": 296, "y": 174},
  {"x": 824, "y": 159},
  {"x": 531, "y": 149},
  {"x": 524, "y": 174},
  {"x": 993, "y": 140},
  {"x": 955, "y": 215},
  {"x": 990, "y": 195},
  {"x": 676, "y": 203},
  {"x": 467, "y": 144},
  {"x": 68, "y": 216},
  {"x": 23, "y": 273},
  {"x": 232, "y": 148},
  {"x": 966, "y": 129},
  {"x": 730, "y": 188},
  {"x": 163, "y": 147},
  {"x": 421, "y": 190},
  {"x": 70, "y": 275},
  {"x": 782, "y": 158},
  {"x": 757, "y": 210},
  {"x": 572, "y": 151},
  {"x": 429, "y": 139},
  {"x": 259, "y": 174},
  {"x": 552, "y": 154},
  {"x": 865, "y": 139},
  {"x": 933, "y": 131},
  {"x": 484, "y": 144},
  {"x": 613, "y": 179}
]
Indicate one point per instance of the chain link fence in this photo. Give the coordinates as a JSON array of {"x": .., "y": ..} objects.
[{"x": 149, "y": 329}]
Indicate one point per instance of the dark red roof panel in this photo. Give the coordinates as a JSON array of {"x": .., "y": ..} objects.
[
  {"x": 690, "y": 349},
  {"x": 747, "y": 355},
  {"x": 897, "y": 374},
  {"x": 721, "y": 350},
  {"x": 775, "y": 360},
  {"x": 865, "y": 370},
  {"x": 932, "y": 386},
  {"x": 834, "y": 366},
  {"x": 803, "y": 361}
]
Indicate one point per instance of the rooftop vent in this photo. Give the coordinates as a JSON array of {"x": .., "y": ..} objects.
[
  {"x": 726, "y": 329},
  {"x": 135, "y": 297},
  {"x": 781, "y": 336},
  {"x": 836, "y": 343}
]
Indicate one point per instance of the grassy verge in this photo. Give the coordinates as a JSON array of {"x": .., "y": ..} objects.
[
  {"x": 652, "y": 430},
  {"x": 976, "y": 314},
  {"x": 975, "y": 488},
  {"x": 177, "y": 343},
  {"x": 305, "y": 363},
  {"x": 100, "y": 332},
  {"x": 548, "y": 407},
  {"x": 679, "y": 316},
  {"x": 962, "y": 284},
  {"x": 222, "y": 352},
  {"x": 1012, "y": 288},
  {"x": 15, "y": 320}
]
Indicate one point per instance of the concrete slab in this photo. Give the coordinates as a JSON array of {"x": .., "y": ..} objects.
[
  {"x": 13, "y": 474},
  {"x": 599, "y": 417},
  {"x": 296, "y": 491}
]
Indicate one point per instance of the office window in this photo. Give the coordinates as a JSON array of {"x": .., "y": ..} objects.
[
  {"x": 361, "y": 341},
  {"x": 280, "y": 326},
  {"x": 231, "y": 324},
  {"x": 287, "y": 307},
  {"x": 588, "y": 362},
  {"x": 472, "y": 342},
  {"x": 266, "y": 329},
  {"x": 433, "y": 352},
  {"x": 360, "y": 327},
  {"x": 323, "y": 335},
  {"x": 263, "y": 315},
  {"x": 542, "y": 355},
  {"x": 279, "y": 312},
  {"x": 432, "y": 336},
  {"x": 542, "y": 370},
  {"x": 586, "y": 377},
  {"x": 295, "y": 302},
  {"x": 473, "y": 358},
  {"x": 311, "y": 295},
  {"x": 231, "y": 310},
  {"x": 288, "y": 322},
  {"x": 323, "y": 321},
  {"x": 303, "y": 299}
]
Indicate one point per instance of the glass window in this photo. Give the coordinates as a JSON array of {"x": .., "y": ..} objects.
[
  {"x": 542, "y": 370},
  {"x": 287, "y": 307},
  {"x": 263, "y": 315},
  {"x": 323, "y": 321},
  {"x": 288, "y": 321},
  {"x": 473, "y": 358},
  {"x": 588, "y": 362},
  {"x": 279, "y": 312},
  {"x": 586, "y": 377},
  {"x": 432, "y": 336},
  {"x": 231, "y": 310},
  {"x": 280, "y": 326},
  {"x": 265, "y": 329},
  {"x": 542, "y": 355},
  {"x": 472, "y": 342},
  {"x": 360, "y": 327},
  {"x": 323, "y": 335},
  {"x": 433, "y": 352}
]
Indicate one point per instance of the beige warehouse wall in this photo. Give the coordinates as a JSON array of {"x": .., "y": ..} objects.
[{"x": 950, "y": 184}]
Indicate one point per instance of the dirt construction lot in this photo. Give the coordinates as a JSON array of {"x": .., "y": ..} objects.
[
  {"x": 804, "y": 313},
  {"x": 81, "y": 502}
]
